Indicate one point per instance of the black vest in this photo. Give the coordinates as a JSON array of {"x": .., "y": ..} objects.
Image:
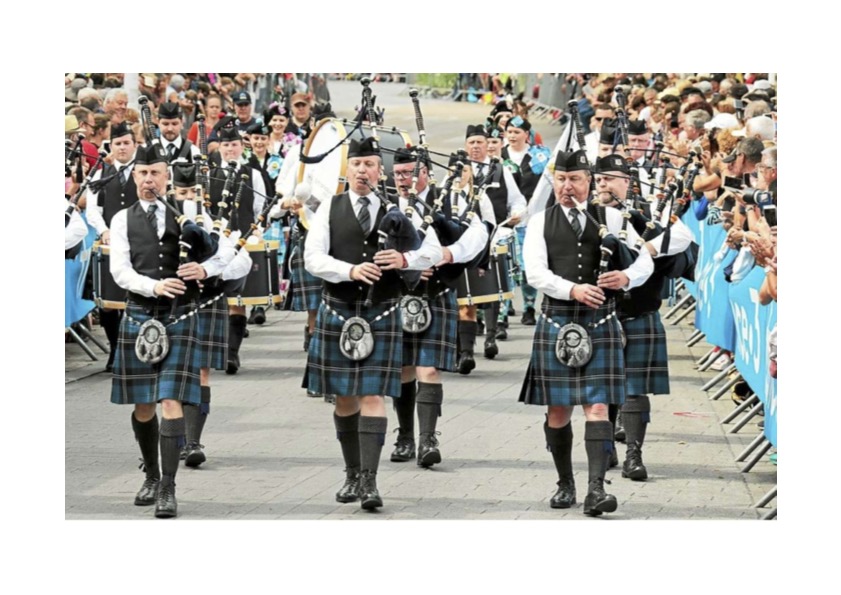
[
  {"x": 648, "y": 296},
  {"x": 245, "y": 214},
  {"x": 347, "y": 243},
  {"x": 526, "y": 179},
  {"x": 115, "y": 197},
  {"x": 449, "y": 274},
  {"x": 574, "y": 259},
  {"x": 499, "y": 197},
  {"x": 150, "y": 256},
  {"x": 183, "y": 153}
]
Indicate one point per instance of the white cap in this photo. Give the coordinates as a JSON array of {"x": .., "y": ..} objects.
[{"x": 723, "y": 120}]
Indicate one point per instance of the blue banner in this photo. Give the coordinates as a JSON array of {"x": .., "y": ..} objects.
[
  {"x": 695, "y": 227},
  {"x": 754, "y": 323},
  {"x": 75, "y": 271},
  {"x": 713, "y": 314}
]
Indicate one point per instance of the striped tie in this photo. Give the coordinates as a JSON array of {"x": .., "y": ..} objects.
[
  {"x": 364, "y": 215},
  {"x": 573, "y": 221}
]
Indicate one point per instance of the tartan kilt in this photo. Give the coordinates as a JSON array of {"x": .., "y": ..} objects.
[
  {"x": 436, "y": 346},
  {"x": 331, "y": 373},
  {"x": 213, "y": 333},
  {"x": 176, "y": 377},
  {"x": 602, "y": 380},
  {"x": 306, "y": 288},
  {"x": 646, "y": 359}
]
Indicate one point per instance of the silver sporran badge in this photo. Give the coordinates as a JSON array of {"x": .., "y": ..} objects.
[
  {"x": 573, "y": 347},
  {"x": 357, "y": 339},
  {"x": 416, "y": 314},
  {"x": 152, "y": 344}
]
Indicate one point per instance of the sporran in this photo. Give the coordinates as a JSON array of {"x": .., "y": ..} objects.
[
  {"x": 574, "y": 347},
  {"x": 417, "y": 316},
  {"x": 357, "y": 339},
  {"x": 152, "y": 344}
]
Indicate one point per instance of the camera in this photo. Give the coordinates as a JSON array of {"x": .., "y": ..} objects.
[
  {"x": 762, "y": 198},
  {"x": 733, "y": 184}
]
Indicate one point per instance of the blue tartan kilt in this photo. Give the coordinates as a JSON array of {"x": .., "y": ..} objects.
[
  {"x": 646, "y": 359},
  {"x": 176, "y": 377},
  {"x": 306, "y": 288},
  {"x": 602, "y": 380},
  {"x": 213, "y": 333},
  {"x": 331, "y": 373},
  {"x": 436, "y": 346}
]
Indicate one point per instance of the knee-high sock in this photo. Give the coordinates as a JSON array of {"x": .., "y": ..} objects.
[
  {"x": 405, "y": 408},
  {"x": 347, "y": 433},
  {"x": 110, "y": 321},
  {"x": 430, "y": 397},
  {"x": 196, "y": 415},
  {"x": 173, "y": 440},
  {"x": 466, "y": 335},
  {"x": 559, "y": 443},
  {"x": 146, "y": 434},
  {"x": 371, "y": 439},
  {"x": 492, "y": 317},
  {"x": 236, "y": 332},
  {"x": 636, "y": 414},
  {"x": 598, "y": 441}
]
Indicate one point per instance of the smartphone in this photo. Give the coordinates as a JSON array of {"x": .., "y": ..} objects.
[
  {"x": 733, "y": 184},
  {"x": 770, "y": 214}
]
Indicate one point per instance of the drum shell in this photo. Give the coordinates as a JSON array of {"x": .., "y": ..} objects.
[
  {"x": 106, "y": 293},
  {"x": 491, "y": 285},
  {"x": 262, "y": 285}
]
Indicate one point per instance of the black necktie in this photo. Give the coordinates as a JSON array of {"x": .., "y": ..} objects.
[
  {"x": 170, "y": 152},
  {"x": 124, "y": 174},
  {"x": 364, "y": 215},
  {"x": 152, "y": 217},
  {"x": 573, "y": 221},
  {"x": 480, "y": 175}
]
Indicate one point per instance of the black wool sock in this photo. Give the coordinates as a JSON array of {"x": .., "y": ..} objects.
[
  {"x": 559, "y": 443},
  {"x": 405, "y": 409},
  {"x": 636, "y": 414},
  {"x": 146, "y": 434},
  {"x": 598, "y": 441},
  {"x": 236, "y": 332},
  {"x": 371, "y": 439},
  {"x": 195, "y": 416},
  {"x": 492, "y": 318},
  {"x": 173, "y": 439},
  {"x": 430, "y": 397},
  {"x": 347, "y": 433},
  {"x": 466, "y": 335},
  {"x": 110, "y": 321}
]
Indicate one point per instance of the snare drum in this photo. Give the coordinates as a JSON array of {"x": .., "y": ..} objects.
[
  {"x": 481, "y": 286},
  {"x": 106, "y": 293},
  {"x": 329, "y": 177},
  {"x": 262, "y": 285}
]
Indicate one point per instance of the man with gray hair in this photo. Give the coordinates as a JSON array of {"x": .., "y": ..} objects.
[
  {"x": 176, "y": 85},
  {"x": 756, "y": 108},
  {"x": 761, "y": 127},
  {"x": 693, "y": 124},
  {"x": 115, "y": 105}
]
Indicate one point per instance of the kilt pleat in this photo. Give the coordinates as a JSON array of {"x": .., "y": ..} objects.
[
  {"x": 306, "y": 288},
  {"x": 602, "y": 380},
  {"x": 213, "y": 334},
  {"x": 176, "y": 377},
  {"x": 331, "y": 373},
  {"x": 646, "y": 358},
  {"x": 435, "y": 347}
]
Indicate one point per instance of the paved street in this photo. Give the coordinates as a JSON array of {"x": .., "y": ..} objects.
[{"x": 272, "y": 451}]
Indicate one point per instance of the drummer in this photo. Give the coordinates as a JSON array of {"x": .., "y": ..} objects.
[
  {"x": 434, "y": 349},
  {"x": 509, "y": 206},
  {"x": 213, "y": 318},
  {"x": 252, "y": 198}
]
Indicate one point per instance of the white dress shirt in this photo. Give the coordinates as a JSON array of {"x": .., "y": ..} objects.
[
  {"x": 76, "y": 230},
  {"x": 179, "y": 142},
  {"x": 121, "y": 269},
  {"x": 234, "y": 264},
  {"x": 93, "y": 210},
  {"x": 317, "y": 259},
  {"x": 536, "y": 258}
]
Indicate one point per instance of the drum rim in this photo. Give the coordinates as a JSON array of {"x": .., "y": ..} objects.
[
  {"x": 485, "y": 298},
  {"x": 340, "y": 127}
]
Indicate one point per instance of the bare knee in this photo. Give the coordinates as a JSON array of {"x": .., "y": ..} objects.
[
  {"x": 558, "y": 417},
  {"x": 372, "y": 406},
  {"x": 205, "y": 376},
  {"x": 346, "y": 406},
  {"x": 407, "y": 374},
  {"x": 428, "y": 375},
  {"x": 171, "y": 409},
  {"x": 145, "y": 412},
  {"x": 596, "y": 412}
]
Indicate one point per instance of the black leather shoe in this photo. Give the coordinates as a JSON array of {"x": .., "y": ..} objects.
[
  {"x": 350, "y": 491},
  {"x": 619, "y": 432},
  {"x": 466, "y": 363},
  {"x": 491, "y": 349},
  {"x": 146, "y": 495},
  {"x": 501, "y": 334},
  {"x": 512, "y": 311},
  {"x": 502, "y": 323},
  {"x": 233, "y": 364},
  {"x": 597, "y": 501},
  {"x": 633, "y": 468},
  {"x": 368, "y": 492},
  {"x": 258, "y": 315},
  {"x": 565, "y": 496},
  {"x": 166, "y": 506},
  {"x": 405, "y": 450},
  {"x": 195, "y": 455},
  {"x": 428, "y": 453},
  {"x": 245, "y": 333},
  {"x": 528, "y": 318}
]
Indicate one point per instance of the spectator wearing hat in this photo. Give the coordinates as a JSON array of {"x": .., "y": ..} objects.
[
  {"x": 561, "y": 252},
  {"x": 243, "y": 108},
  {"x": 301, "y": 112},
  {"x": 171, "y": 124},
  {"x": 342, "y": 249}
]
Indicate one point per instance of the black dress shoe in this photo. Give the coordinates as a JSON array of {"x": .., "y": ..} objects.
[
  {"x": 405, "y": 450},
  {"x": 428, "y": 453},
  {"x": 565, "y": 496},
  {"x": 633, "y": 467},
  {"x": 259, "y": 314},
  {"x": 146, "y": 495},
  {"x": 501, "y": 334},
  {"x": 528, "y": 318},
  {"x": 233, "y": 364},
  {"x": 166, "y": 506},
  {"x": 195, "y": 455},
  {"x": 350, "y": 491},
  {"x": 619, "y": 432},
  {"x": 597, "y": 501},
  {"x": 491, "y": 349},
  {"x": 512, "y": 311},
  {"x": 502, "y": 323},
  {"x": 368, "y": 492},
  {"x": 613, "y": 461},
  {"x": 246, "y": 333},
  {"x": 466, "y": 363}
]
